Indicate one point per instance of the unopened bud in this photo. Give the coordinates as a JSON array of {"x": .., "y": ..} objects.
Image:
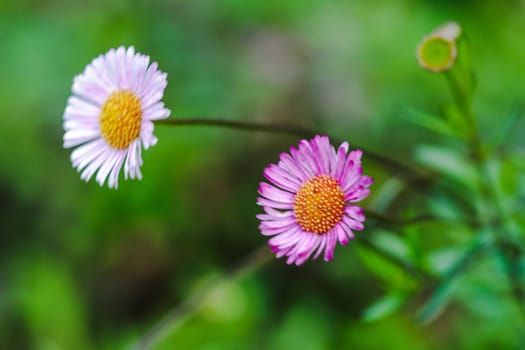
[{"x": 437, "y": 52}]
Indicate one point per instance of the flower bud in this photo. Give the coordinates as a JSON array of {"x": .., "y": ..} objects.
[{"x": 437, "y": 51}]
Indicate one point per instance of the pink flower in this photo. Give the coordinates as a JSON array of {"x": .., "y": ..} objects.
[
  {"x": 110, "y": 116},
  {"x": 307, "y": 202}
]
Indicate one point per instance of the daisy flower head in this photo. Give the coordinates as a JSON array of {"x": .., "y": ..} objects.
[
  {"x": 109, "y": 118},
  {"x": 307, "y": 202}
]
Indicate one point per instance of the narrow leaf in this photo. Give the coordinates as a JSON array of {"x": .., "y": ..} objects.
[
  {"x": 450, "y": 163},
  {"x": 429, "y": 122},
  {"x": 384, "y": 307}
]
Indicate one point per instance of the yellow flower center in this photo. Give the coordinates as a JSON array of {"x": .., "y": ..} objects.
[
  {"x": 319, "y": 204},
  {"x": 120, "y": 119}
]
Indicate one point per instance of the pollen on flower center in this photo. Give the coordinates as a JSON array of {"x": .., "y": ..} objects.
[
  {"x": 319, "y": 204},
  {"x": 120, "y": 119}
]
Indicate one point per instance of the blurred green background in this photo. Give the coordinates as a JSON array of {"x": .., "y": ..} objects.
[{"x": 85, "y": 267}]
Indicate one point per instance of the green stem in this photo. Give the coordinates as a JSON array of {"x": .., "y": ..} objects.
[
  {"x": 463, "y": 101},
  {"x": 387, "y": 220},
  {"x": 512, "y": 254},
  {"x": 409, "y": 268},
  {"x": 510, "y": 126},
  {"x": 232, "y": 124},
  {"x": 260, "y": 257},
  {"x": 178, "y": 315},
  {"x": 390, "y": 164},
  {"x": 441, "y": 292},
  {"x": 491, "y": 199}
]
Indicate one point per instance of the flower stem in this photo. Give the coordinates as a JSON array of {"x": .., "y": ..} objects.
[
  {"x": 463, "y": 101},
  {"x": 396, "y": 167},
  {"x": 442, "y": 289},
  {"x": 510, "y": 252},
  {"x": 257, "y": 259},
  {"x": 512, "y": 255},
  {"x": 388, "y": 220},
  {"x": 232, "y": 124},
  {"x": 178, "y": 315}
]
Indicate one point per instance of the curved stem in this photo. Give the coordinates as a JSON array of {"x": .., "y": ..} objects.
[
  {"x": 390, "y": 164},
  {"x": 387, "y": 220},
  {"x": 176, "y": 317},
  {"x": 247, "y": 126},
  {"x": 261, "y": 256}
]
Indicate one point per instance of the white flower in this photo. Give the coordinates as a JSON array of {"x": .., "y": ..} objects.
[{"x": 110, "y": 116}]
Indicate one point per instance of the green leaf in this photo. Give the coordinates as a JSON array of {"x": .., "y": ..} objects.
[
  {"x": 437, "y": 302},
  {"x": 449, "y": 283},
  {"x": 386, "y": 194},
  {"x": 450, "y": 163},
  {"x": 448, "y": 209},
  {"x": 439, "y": 262},
  {"x": 429, "y": 122},
  {"x": 508, "y": 126},
  {"x": 508, "y": 178},
  {"x": 384, "y": 307},
  {"x": 393, "y": 245},
  {"x": 393, "y": 275}
]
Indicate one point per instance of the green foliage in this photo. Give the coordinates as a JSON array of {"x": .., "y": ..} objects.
[
  {"x": 393, "y": 275},
  {"x": 385, "y": 306},
  {"x": 52, "y": 306},
  {"x": 432, "y": 123},
  {"x": 83, "y": 267}
]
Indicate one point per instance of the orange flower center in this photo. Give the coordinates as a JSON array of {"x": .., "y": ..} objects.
[
  {"x": 120, "y": 119},
  {"x": 319, "y": 204}
]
